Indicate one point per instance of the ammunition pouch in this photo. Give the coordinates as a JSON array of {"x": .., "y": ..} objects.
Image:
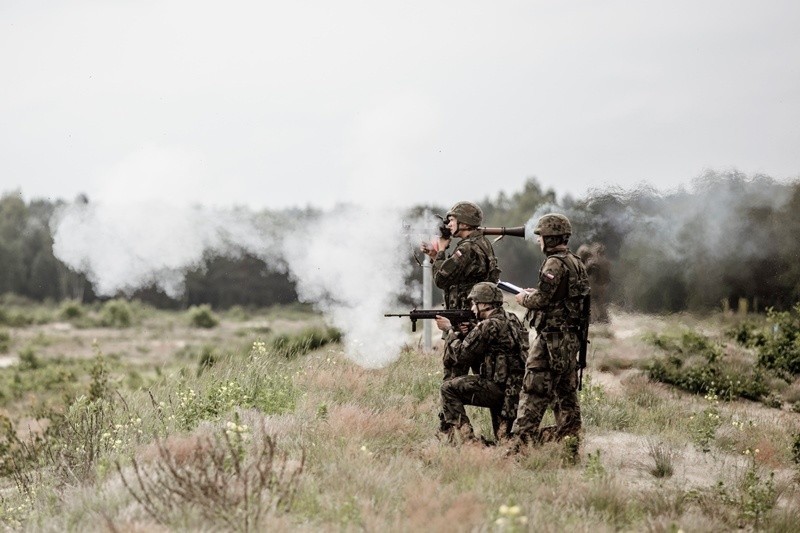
[
  {"x": 500, "y": 369},
  {"x": 511, "y": 399}
]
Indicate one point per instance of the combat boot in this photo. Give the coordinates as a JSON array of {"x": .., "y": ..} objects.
[{"x": 466, "y": 434}]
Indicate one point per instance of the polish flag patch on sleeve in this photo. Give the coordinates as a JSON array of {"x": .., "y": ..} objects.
[
  {"x": 458, "y": 253},
  {"x": 549, "y": 275}
]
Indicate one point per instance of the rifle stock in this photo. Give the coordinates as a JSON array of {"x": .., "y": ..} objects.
[{"x": 456, "y": 316}]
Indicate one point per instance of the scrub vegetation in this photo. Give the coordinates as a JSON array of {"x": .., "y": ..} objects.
[{"x": 261, "y": 422}]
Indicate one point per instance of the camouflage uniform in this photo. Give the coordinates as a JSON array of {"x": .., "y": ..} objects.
[
  {"x": 551, "y": 370},
  {"x": 471, "y": 261},
  {"x": 497, "y": 347}
]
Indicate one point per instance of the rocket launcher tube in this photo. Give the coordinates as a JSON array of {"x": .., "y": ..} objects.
[{"x": 518, "y": 231}]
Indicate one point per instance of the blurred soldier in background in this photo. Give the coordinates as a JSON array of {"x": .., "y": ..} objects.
[
  {"x": 555, "y": 310},
  {"x": 497, "y": 345},
  {"x": 471, "y": 261},
  {"x": 598, "y": 267}
]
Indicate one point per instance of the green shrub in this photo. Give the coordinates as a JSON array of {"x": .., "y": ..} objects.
[
  {"x": 5, "y": 341},
  {"x": 747, "y": 334},
  {"x": 696, "y": 364},
  {"x": 307, "y": 340},
  {"x": 16, "y": 319},
  {"x": 116, "y": 314},
  {"x": 201, "y": 316},
  {"x": 28, "y": 360},
  {"x": 208, "y": 358},
  {"x": 71, "y": 310},
  {"x": 781, "y": 348}
]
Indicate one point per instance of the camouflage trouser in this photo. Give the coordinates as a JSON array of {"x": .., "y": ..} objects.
[
  {"x": 551, "y": 380},
  {"x": 451, "y": 372},
  {"x": 477, "y": 391}
]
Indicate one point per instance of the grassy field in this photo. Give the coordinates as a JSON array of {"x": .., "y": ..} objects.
[{"x": 141, "y": 420}]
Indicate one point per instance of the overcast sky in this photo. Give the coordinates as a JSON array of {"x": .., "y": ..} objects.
[{"x": 275, "y": 104}]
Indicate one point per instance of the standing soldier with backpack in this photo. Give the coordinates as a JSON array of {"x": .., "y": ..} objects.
[{"x": 558, "y": 310}]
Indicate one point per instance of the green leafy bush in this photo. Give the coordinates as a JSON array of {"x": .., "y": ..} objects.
[
  {"x": 696, "y": 364},
  {"x": 781, "y": 348},
  {"x": 71, "y": 310},
  {"x": 747, "y": 334},
  {"x": 116, "y": 314},
  {"x": 307, "y": 340},
  {"x": 16, "y": 318},
  {"x": 201, "y": 316},
  {"x": 5, "y": 341}
]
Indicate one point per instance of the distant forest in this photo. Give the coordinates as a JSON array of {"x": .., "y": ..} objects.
[{"x": 727, "y": 237}]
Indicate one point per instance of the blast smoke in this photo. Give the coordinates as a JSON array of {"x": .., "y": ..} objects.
[
  {"x": 351, "y": 263},
  {"x": 123, "y": 247}
]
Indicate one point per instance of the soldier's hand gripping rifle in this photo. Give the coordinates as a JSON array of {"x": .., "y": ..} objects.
[
  {"x": 584, "y": 337},
  {"x": 455, "y": 316}
]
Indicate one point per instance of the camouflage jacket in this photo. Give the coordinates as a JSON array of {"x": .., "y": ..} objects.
[
  {"x": 472, "y": 261},
  {"x": 557, "y": 301},
  {"x": 497, "y": 345}
]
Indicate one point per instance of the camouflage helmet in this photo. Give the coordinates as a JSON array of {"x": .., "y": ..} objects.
[
  {"x": 553, "y": 224},
  {"x": 485, "y": 292},
  {"x": 466, "y": 213}
]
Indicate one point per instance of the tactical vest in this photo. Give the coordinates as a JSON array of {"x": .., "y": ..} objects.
[
  {"x": 566, "y": 306},
  {"x": 506, "y": 357},
  {"x": 456, "y": 295}
]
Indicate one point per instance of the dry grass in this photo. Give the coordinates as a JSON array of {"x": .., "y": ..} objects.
[{"x": 373, "y": 462}]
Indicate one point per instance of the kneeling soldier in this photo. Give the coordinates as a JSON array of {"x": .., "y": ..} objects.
[{"x": 498, "y": 344}]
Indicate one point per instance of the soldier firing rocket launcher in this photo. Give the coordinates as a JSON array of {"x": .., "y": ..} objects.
[
  {"x": 455, "y": 316},
  {"x": 502, "y": 231}
]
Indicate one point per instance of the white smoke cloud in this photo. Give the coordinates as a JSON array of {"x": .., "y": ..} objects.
[
  {"x": 351, "y": 263},
  {"x": 122, "y": 247}
]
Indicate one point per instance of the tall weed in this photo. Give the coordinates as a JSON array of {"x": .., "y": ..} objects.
[{"x": 231, "y": 478}]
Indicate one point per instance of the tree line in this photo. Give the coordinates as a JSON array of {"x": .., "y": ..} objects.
[{"x": 727, "y": 237}]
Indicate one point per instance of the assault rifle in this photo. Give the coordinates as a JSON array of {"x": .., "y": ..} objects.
[
  {"x": 456, "y": 316},
  {"x": 583, "y": 332}
]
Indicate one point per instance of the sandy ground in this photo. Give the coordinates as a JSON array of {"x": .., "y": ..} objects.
[
  {"x": 630, "y": 455},
  {"x": 155, "y": 340}
]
